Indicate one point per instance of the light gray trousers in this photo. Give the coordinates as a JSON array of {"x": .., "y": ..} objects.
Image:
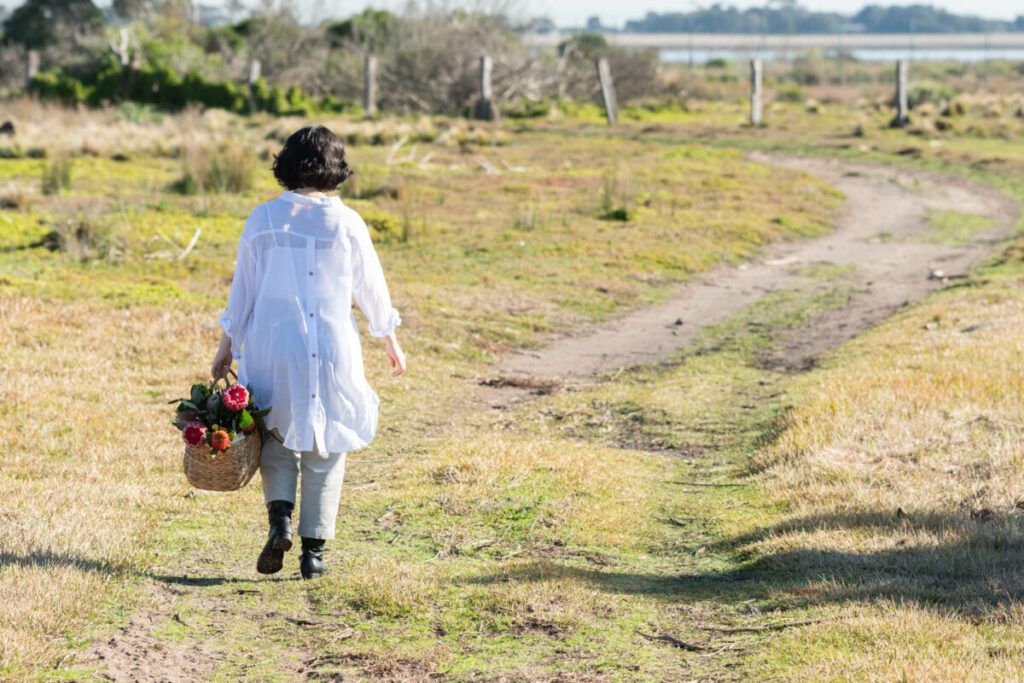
[{"x": 321, "y": 484}]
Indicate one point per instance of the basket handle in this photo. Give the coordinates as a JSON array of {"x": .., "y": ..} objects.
[{"x": 225, "y": 378}]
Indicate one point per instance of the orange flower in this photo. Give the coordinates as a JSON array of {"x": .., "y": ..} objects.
[{"x": 220, "y": 440}]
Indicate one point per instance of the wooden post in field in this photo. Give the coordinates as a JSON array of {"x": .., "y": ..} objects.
[
  {"x": 254, "y": 75},
  {"x": 604, "y": 76},
  {"x": 902, "y": 110},
  {"x": 484, "y": 109},
  {"x": 31, "y": 68},
  {"x": 370, "y": 86},
  {"x": 756, "y": 95}
]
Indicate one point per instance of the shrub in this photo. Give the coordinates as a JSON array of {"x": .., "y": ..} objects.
[
  {"x": 790, "y": 93},
  {"x": 929, "y": 91},
  {"x": 84, "y": 235},
  {"x": 384, "y": 227},
  {"x": 56, "y": 85},
  {"x": 223, "y": 169},
  {"x": 57, "y": 174}
]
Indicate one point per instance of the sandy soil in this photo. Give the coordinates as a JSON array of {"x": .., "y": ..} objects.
[{"x": 889, "y": 273}]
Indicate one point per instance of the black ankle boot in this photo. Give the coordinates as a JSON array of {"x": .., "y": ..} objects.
[
  {"x": 279, "y": 539},
  {"x": 312, "y": 564}
]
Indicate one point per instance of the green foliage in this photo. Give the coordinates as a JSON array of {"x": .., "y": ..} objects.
[
  {"x": 930, "y": 91},
  {"x": 39, "y": 23},
  {"x": 161, "y": 86},
  {"x": 586, "y": 45},
  {"x": 372, "y": 30},
  {"x": 525, "y": 108},
  {"x": 56, "y": 85},
  {"x": 384, "y": 227},
  {"x": 205, "y": 404},
  {"x": 790, "y": 93}
]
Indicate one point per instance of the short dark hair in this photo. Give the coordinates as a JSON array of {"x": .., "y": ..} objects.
[{"x": 312, "y": 157}]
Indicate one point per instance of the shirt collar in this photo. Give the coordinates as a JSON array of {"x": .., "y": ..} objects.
[{"x": 297, "y": 198}]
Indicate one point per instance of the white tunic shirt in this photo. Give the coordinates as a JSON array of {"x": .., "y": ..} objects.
[{"x": 301, "y": 260}]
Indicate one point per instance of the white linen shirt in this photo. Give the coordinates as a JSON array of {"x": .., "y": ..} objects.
[{"x": 301, "y": 260}]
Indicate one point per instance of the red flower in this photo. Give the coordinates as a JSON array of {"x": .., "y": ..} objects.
[
  {"x": 194, "y": 434},
  {"x": 235, "y": 398},
  {"x": 220, "y": 440}
]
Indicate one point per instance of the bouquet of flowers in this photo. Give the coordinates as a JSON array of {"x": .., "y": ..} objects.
[{"x": 214, "y": 417}]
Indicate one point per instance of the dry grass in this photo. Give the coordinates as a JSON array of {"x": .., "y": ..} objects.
[
  {"x": 923, "y": 415},
  {"x": 900, "y": 473},
  {"x": 83, "y": 484}
]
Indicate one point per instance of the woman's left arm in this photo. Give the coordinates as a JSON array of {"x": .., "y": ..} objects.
[{"x": 370, "y": 291}]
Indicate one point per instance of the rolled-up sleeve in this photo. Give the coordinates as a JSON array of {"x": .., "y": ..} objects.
[
  {"x": 238, "y": 314},
  {"x": 368, "y": 285}
]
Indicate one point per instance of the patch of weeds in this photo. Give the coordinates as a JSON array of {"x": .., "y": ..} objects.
[
  {"x": 956, "y": 227},
  {"x": 759, "y": 328},
  {"x": 16, "y": 151},
  {"x": 134, "y": 112},
  {"x": 826, "y": 271},
  {"x": 529, "y": 216},
  {"x": 215, "y": 169},
  {"x": 56, "y": 177},
  {"x": 369, "y": 183},
  {"x": 85, "y": 236},
  {"x": 614, "y": 199}
]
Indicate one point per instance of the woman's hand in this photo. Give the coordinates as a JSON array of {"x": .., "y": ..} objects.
[
  {"x": 395, "y": 354},
  {"x": 222, "y": 361}
]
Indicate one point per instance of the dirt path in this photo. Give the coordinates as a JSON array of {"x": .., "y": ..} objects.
[{"x": 883, "y": 243}]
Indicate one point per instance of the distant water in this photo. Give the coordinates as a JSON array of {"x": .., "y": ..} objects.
[{"x": 924, "y": 55}]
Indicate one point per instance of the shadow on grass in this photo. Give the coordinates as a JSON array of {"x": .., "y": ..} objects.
[
  {"x": 48, "y": 559},
  {"x": 949, "y": 562}
]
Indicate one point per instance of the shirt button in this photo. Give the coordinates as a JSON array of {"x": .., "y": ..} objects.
[
  {"x": 311, "y": 272},
  {"x": 314, "y": 355},
  {"x": 314, "y": 395},
  {"x": 310, "y": 315}
]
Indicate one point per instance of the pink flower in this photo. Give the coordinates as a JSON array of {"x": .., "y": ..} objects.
[
  {"x": 235, "y": 398},
  {"x": 194, "y": 434}
]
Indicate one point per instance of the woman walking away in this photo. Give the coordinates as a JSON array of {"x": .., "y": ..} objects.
[{"x": 302, "y": 258}]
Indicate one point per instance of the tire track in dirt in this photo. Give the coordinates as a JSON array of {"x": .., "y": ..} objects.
[{"x": 882, "y": 236}]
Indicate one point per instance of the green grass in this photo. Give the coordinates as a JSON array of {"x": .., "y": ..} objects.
[{"x": 532, "y": 543}]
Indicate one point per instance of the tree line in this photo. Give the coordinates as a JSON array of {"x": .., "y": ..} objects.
[
  {"x": 788, "y": 17},
  {"x": 157, "y": 52}
]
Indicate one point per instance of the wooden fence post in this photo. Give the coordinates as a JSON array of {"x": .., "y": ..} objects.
[
  {"x": 604, "y": 76},
  {"x": 31, "y": 68},
  {"x": 902, "y": 110},
  {"x": 370, "y": 86},
  {"x": 484, "y": 109},
  {"x": 756, "y": 95},
  {"x": 254, "y": 75}
]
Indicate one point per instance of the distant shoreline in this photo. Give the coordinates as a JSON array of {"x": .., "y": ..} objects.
[{"x": 753, "y": 42}]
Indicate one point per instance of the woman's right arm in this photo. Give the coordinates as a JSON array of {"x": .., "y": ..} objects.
[
  {"x": 238, "y": 313},
  {"x": 222, "y": 360}
]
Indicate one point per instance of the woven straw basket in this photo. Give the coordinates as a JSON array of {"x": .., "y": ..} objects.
[{"x": 228, "y": 470}]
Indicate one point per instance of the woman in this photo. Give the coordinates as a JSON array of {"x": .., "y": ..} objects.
[{"x": 302, "y": 258}]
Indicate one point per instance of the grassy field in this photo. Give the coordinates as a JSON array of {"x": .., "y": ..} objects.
[{"x": 862, "y": 521}]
